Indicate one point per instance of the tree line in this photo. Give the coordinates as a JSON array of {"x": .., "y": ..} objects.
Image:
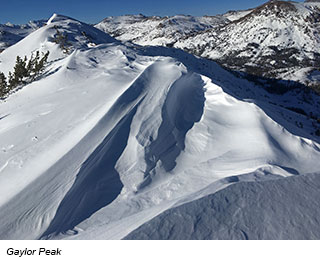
[{"x": 25, "y": 71}]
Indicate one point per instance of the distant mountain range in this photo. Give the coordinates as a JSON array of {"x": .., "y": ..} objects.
[
  {"x": 278, "y": 39},
  {"x": 11, "y": 33}
]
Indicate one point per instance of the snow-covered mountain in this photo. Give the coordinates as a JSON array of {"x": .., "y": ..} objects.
[
  {"x": 155, "y": 30},
  {"x": 114, "y": 135},
  {"x": 279, "y": 39},
  {"x": 11, "y": 33},
  {"x": 7, "y": 39}
]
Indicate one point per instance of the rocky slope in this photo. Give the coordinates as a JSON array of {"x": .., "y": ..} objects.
[
  {"x": 155, "y": 30},
  {"x": 276, "y": 40}
]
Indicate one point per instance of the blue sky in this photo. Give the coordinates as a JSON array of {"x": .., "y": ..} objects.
[{"x": 92, "y": 11}]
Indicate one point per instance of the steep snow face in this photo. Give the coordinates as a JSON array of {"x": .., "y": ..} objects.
[
  {"x": 112, "y": 135},
  {"x": 273, "y": 40},
  {"x": 156, "y": 30}
]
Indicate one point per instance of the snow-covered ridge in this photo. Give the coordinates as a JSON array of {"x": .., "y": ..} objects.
[
  {"x": 78, "y": 35},
  {"x": 114, "y": 134},
  {"x": 279, "y": 39}
]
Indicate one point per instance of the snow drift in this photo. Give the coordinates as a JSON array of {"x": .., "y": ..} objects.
[
  {"x": 247, "y": 210},
  {"x": 112, "y": 136}
]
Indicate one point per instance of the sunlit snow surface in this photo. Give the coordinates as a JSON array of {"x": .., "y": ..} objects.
[{"x": 113, "y": 135}]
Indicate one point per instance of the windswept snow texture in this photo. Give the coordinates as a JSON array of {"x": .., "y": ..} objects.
[
  {"x": 114, "y": 134},
  {"x": 273, "y": 209}
]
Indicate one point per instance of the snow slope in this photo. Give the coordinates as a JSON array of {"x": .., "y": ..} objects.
[
  {"x": 114, "y": 134},
  {"x": 247, "y": 210}
]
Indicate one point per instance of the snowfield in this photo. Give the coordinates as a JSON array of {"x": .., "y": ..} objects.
[
  {"x": 243, "y": 211},
  {"x": 113, "y": 135}
]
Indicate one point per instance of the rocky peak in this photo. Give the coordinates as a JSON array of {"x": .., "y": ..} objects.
[{"x": 280, "y": 9}]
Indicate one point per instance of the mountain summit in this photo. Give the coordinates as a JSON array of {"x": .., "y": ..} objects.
[{"x": 278, "y": 39}]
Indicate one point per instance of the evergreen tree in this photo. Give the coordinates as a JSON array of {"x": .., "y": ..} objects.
[
  {"x": 34, "y": 69},
  {"x": 24, "y": 71},
  {"x": 11, "y": 81},
  {"x": 40, "y": 65},
  {"x": 29, "y": 66},
  {"x": 3, "y": 85},
  {"x": 19, "y": 71}
]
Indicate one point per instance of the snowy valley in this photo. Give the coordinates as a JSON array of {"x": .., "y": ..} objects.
[{"x": 126, "y": 134}]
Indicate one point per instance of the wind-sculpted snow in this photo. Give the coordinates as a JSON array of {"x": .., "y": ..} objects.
[
  {"x": 271, "y": 209},
  {"x": 98, "y": 183},
  {"x": 112, "y": 135},
  {"x": 178, "y": 117}
]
